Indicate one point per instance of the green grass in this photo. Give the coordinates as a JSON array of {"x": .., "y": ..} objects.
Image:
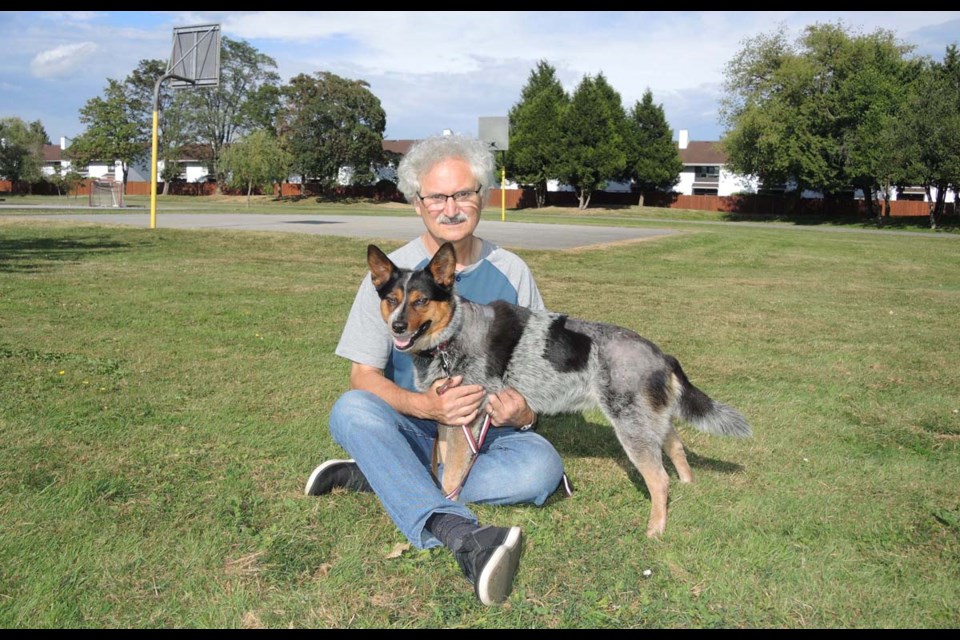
[{"x": 164, "y": 394}]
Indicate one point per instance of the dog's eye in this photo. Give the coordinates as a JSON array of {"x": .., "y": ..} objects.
[
  {"x": 391, "y": 300},
  {"x": 421, "y": 302}
]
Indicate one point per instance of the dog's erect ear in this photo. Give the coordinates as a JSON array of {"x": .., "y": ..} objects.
[
  {"x": 381, "y": 268},
  {"x": 443, "y": 265}
]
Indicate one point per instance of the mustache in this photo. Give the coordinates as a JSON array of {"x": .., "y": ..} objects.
[{"x": 455, "y": 219}]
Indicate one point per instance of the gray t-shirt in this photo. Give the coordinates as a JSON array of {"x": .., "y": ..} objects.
[{"x": 497, "y": 275}]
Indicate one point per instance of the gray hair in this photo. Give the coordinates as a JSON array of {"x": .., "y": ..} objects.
[{"x": 426, "y": 153}]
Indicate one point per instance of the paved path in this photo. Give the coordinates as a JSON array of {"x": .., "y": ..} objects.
[{"x": 522, "y": 235}]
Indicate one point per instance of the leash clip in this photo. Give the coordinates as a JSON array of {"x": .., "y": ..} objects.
[{"x": 444, "y": 362}]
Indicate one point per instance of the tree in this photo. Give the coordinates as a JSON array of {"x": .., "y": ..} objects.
[
  {"x": 878, "y": 91},
  {"x": 21, "y": 151},
  {"x": 65, "y": 183},
  {"x": 115, "y": 130},
  {"x": 173, "y": 115},
  {"x": 224, "y": 113},
  {"x": 331, "y": 123},
  {"x": 591, "y": 134},
  {"x": 259, "y": 160},
  {"x": 534, "y": 122},
  {"x": 653, "y": 161},
  {"x": 929, "y": 132},
  {"x": 794, "y": 111}
]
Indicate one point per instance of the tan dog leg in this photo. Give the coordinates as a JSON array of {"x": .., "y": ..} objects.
[
  {"x": 454, "y": 452},
  {"x": 674, "y": 449}
]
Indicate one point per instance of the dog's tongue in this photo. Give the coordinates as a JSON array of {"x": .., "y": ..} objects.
[{"x": 403, "y": 343}]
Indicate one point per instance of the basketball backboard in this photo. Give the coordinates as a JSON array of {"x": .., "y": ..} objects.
[
  {"x": 195, "y": 59},
  {"x": 495, "y": 131}
]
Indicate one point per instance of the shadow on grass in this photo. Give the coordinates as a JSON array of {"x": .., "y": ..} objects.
[
  {"x": 30, "y": 255},
  {"x": 911, "y": 223},
  {"x": 574, "y": 436}
]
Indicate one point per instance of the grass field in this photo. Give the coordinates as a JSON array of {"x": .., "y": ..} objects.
[{"x": 165, "y": 393}]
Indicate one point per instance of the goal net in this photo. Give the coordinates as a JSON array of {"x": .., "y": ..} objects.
[{"x": 106, "y": 193}]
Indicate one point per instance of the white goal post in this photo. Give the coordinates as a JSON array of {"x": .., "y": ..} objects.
[{"x": 106, "y": 193}]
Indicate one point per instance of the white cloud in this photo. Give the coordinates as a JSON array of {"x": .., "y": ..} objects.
[{"x": 62, "y": 60}]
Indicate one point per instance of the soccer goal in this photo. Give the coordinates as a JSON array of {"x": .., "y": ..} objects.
[{"x": 106, "y": 193}]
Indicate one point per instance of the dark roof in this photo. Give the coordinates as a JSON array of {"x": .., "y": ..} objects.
[
  {"x": 398, "y": 146},
  {"x": 52, "y": 153},
  {"x": 702, "y": 152}
]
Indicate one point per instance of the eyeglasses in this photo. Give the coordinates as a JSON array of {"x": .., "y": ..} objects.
[{"x": 438, "y": 201}]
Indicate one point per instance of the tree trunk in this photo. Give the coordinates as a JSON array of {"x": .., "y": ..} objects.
[
  {"x": 640, "y": 200},
  {"x": 540, "y": 193},
  {"x": 584, "y": 197},
  {"x": 871, "y": 208},
  {"x": 249, "y": 191}
]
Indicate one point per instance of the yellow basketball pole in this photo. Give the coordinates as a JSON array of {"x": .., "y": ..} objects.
[
  {"x": 153, "y": 173},
  {"x": 503, "y": 188}
]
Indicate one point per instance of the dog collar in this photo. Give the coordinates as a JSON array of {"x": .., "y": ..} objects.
[{"x": 441, "y": 350}]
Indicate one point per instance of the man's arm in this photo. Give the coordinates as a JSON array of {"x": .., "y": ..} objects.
[{"x": 459, "y": 404}]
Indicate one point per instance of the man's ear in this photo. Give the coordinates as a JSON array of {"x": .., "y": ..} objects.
[
  {"x": 381, "y": 268},
  {"x": 443, "y": 265}
]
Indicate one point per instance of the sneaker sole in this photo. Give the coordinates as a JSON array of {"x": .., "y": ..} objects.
[
  {"x": 309, "y": 489},
  {"x": 496, "y": 580}
]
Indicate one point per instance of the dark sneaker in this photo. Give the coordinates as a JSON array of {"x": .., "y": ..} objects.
[
  {"x": 489, "y": 558},
  {"x": 336, "y": 473}
]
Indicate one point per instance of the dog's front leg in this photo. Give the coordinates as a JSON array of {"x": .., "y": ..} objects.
[
  {"x": 457, "y": 453},
  {"x": 454, "y": 452}
]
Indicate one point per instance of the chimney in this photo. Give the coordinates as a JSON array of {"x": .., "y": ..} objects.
[
  {"x": 684, "y": 139},
  {"x": 63, "y": 142}
]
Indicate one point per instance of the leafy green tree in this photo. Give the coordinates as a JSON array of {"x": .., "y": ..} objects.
[
  {"x": 173, "y": 115},
  {"x": 877, "y": 91},
  {"x": 224, "y": 113},
  {"x": 534, "y": 122},
  {"x": 21, "y": 151},
  {"x": 258, "y": 160},
  {"x": 794, "y": 112},
  {"x": 653, "y": 161},
  {"x": 330, "y": 123},
  {"x": 115, "y": 130},
  {"x": 65, "y": 183},
  {"x": 930, "y": 132},
  {"x": 592, "y": 137}
]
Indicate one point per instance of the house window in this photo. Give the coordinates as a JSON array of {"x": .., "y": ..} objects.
[{"x": 709, "y": 171}]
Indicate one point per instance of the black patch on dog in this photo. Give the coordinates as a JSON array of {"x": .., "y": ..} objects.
[
  {"x": 566, "y": 350},
  {"x": 657, "y": 392},
  {"x": 423, "y": 282},
  {"x": 384, "y": 290},
  {"x": 696, "y": 402},
  {"x": 617, "y": 403},
  {"x": 505, "y": 331}
]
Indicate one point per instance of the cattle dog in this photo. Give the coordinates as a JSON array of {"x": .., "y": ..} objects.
[{"x": 558, "y": 363}]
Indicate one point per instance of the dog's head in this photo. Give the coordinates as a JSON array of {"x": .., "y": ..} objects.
[{"x": 416, "y": 305}]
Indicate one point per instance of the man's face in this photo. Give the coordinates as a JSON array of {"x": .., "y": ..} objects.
[{"x": 449, "y": 219}]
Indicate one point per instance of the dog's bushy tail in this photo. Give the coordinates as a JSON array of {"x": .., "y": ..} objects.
[{"x": 705, "y": 413}]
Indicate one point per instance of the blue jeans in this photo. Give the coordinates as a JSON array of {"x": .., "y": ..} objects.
[{"x": 394, "y": 453}]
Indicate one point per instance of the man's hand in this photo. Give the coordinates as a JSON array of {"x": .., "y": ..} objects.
[
  {"x": 509, "y": 408},
  {"x": 451, "y": 403}
]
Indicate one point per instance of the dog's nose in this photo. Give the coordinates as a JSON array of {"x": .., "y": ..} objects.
[{"x": 399, "y": 327}]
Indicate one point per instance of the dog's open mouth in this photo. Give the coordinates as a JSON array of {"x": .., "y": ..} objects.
[{"x": 404, "y": 341}]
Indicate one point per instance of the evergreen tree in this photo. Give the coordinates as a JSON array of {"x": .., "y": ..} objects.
[
  {"x": 592, "y": 138},
  {"x": 653, "y": 161},
  {"x": 534, "y": 122}
]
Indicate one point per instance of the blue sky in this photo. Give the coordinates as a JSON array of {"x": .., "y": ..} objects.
[{"x": 430, "y": 70}]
